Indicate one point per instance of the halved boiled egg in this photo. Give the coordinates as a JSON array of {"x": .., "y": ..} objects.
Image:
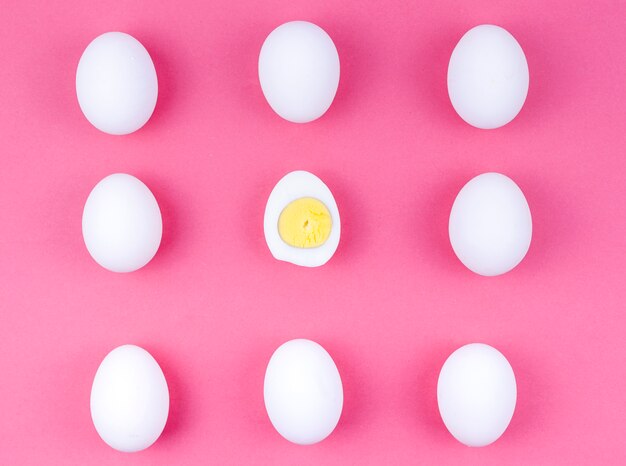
[{"x": 301, "y": 221}]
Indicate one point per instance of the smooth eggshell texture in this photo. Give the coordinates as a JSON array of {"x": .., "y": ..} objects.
[
  {"x": 122, "y": 223},
  {"x": 490, "y": 225},
  {"x": 129, "y": 399},
  {"x": 476, "y": 393},
  {"x": 116, "y": 83},
  {"x": 303, "y": 392},
  {"x": 299, "y": 71},
  {"x": 488, "y": 77}
]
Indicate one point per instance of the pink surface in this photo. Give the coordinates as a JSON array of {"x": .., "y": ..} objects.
[{"x": 391, "y": 305}]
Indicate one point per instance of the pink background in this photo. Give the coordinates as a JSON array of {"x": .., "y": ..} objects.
[{"x": 393, "y": 302}]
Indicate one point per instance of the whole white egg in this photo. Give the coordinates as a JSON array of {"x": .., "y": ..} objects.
[
  {"x": 129, "y": 399},
  {"x": 116, "y": 83},
  {"x": 490, "y": 224},
  {"x": 488, "y": 77},
  {"x": 299, "y": 71},
  {"x": 303, "y": 392},
  {"x": 122, "y": 224},
  {"x": 476, "y": 393},
  {"x": 293, "y": 187}
]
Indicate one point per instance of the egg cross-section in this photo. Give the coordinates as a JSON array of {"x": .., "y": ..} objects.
[{"x": 302, "y": 220}]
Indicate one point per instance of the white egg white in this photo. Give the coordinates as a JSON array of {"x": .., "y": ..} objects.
[{"x": 296, "y": 185}]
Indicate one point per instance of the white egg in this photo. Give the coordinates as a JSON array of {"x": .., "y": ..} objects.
[
  {"x": 490, "y": 224},
  {"x": 476, "y": 393},
  {"x": 129, "y": 399},
  {"x": 299, "y": 71},
  {"x": 122, "y": 223},
  {"x": 297, "y": 185},
  {"x": 488, "y": 77},
  {"x": 116, "y": 83},
  {"x": 303, "y": 392}
]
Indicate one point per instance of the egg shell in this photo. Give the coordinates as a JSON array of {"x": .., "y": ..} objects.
[
  {"x": 116, "y": 83},
  {"x": 303, "y": 392},
  {"x": 476, "y": 394},
  {"x": 292, "y": 186},
  {"x": 129, "y": 399},
  {"x": 488, "y": 77},
  {"x": 490, "y": 225},
  {"x": 299, "y": 71},
  {"x": 122, "y": 224}
]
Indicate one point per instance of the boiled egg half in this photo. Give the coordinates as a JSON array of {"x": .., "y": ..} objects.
[{"x": 301, "y": 222}]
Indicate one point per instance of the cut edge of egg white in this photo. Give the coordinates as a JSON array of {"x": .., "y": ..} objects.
[{"x": 293, "y": 186}]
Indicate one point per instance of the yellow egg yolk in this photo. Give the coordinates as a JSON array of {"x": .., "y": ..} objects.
[{"x": 305, "y": 223}]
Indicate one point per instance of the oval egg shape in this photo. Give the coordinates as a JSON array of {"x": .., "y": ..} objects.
[
  {"x": 490, "y": 224},
  {"x": 303, "y": 392},
  {"x": 122, "y": 224},
  {"x": 488, "y": 77},
  {"x": 299, "y": 71},
  {"x": 476, "y": 394},
  {"x": 116, "y": 83},
  {"x": 129, "y": 399},
  {"x": 301, "y": 222}
]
